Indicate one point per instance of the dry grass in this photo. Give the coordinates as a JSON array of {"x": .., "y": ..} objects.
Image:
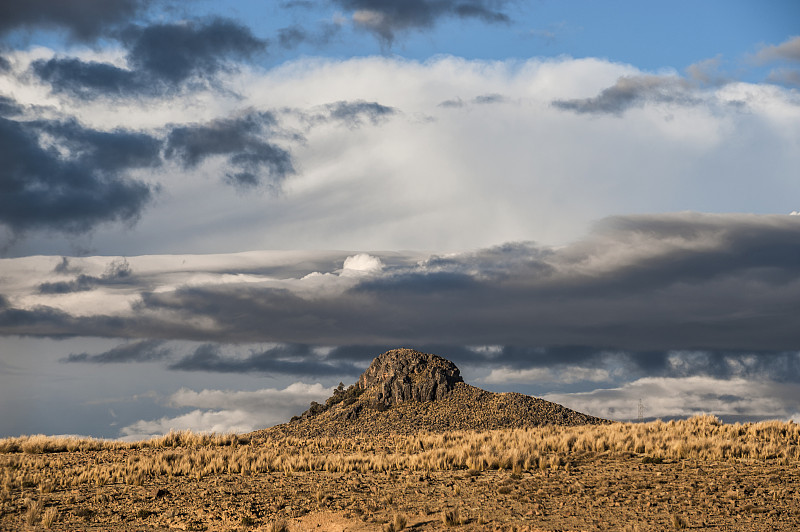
[
  {"x": 50, "y": 517},
  {"x": 32, "y": 468},
  {"x": 184, "y": 454}
]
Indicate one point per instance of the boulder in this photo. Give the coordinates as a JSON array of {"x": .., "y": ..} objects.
[{"x": 402, "y": 375}]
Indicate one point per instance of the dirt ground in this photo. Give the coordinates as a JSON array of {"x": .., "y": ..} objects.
[{"x": 592, "y": 492}]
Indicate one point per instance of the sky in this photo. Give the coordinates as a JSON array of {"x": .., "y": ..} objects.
[{"x": 211, "y": 213}]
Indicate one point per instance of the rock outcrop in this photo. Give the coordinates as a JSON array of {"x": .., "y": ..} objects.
[
  {"x": 402, "y": 375},
  {"x": 404, "y": 391}
]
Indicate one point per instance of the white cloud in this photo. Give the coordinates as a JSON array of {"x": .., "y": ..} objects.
[
  {"x": 436, "y": 178},
  {"x": 674, "y": 397},
  {"x": 361, "y": 264},
  {"x": 568, "y": 375},
  {"x": 223, "y": 411}
]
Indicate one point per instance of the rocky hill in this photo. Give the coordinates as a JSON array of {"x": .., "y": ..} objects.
[{"x": 406, "y": 391}]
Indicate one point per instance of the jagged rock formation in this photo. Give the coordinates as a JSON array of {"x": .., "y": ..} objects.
[
  {"x": 402, "y": 375},
  {"x": 405, "y": 391}
]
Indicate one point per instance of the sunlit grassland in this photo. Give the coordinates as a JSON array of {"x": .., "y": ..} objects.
[{"x": 46, "y": 464}]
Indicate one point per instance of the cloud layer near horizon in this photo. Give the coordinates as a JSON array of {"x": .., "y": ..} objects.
[{"x": 647, "y": 282}]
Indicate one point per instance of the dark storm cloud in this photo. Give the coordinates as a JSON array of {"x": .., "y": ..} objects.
[
  {"x": 174, "y": 52},
  {"x": 630, "y": 92},
  {"x": 780, "y": 366},
  {"x": 160, "y": 58},
  {"x": 385, "y": 18},
  {"x": 84, "y": 19},
  {"x": 9, "y": 107},
  {"x": 87, "y": 80},
  {"x": 641, "y": 287},
  {"x": 242, "y": 140},
  {"x": 74, "y": 182},
  {"x": 638, "y": 283},
  {"x": 286, "y": 359},
  {"x": 142, "y": 351},
  {"x": 117, "y": 272}
]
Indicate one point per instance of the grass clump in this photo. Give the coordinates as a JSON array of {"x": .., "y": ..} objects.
[
  {"x": 278, "y": 526},
  {"x": 397, "y": 523},
  {"x": 49, "y": 517},
  {"x": 34, "y": 512},
  {"x": 453, "y": 518}
]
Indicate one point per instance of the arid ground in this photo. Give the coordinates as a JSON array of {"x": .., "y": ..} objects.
[{"x": 695, "y": 474}]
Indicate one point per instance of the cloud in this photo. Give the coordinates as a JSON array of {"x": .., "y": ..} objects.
[
  {"x": 788, "y": 50},
  {"x": 708, "y": 72},
  {"x": 505, "y": 375},
  {"x": 117, "y": 271},
  {"x": 141, "y": 351},
  {"x": 647, "y": 283},
  {"x": 222, "y": 411},
  {"x": 242, "y": 140},
  {"x": 482, "y": 99},
  {"x": 361, "y": 264},
  {"x": 175, "y": 52},
  {"x": 785, "y": 76},
  {"x": 352, "y": 113},
  {"x": 64, "y": 177},
  {"x": 732, "y": 400},
  {"x": 160, "y": 57},
  {"x": 64, "y": 266},
  {"x": 83, "y": 19},
  {"x": 385, "y": 18},
  {"x": 89, "y": 79},
  {"x": 293, "y": 36},
  {"x": 287, "y": 359},
  {"x": 551, "y": 366},
  {"x": 630, "y": 92}
]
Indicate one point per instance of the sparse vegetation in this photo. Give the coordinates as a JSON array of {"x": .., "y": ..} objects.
[{"x": 340, "y": 395}]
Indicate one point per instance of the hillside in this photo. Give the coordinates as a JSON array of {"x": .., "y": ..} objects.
[{"x": 405, "y": 391}]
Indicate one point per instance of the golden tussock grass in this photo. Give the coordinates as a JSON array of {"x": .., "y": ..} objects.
[{"x": 39, "y": 463}]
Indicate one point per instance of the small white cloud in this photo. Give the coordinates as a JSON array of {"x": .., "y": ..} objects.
[
  {"x": 794, "y": 213},
  {"x": 568, "y": 375},
  {"x": 361, "y": 264}
]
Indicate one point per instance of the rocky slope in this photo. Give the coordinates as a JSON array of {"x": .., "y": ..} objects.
[{"x": 406, "y": 391}]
